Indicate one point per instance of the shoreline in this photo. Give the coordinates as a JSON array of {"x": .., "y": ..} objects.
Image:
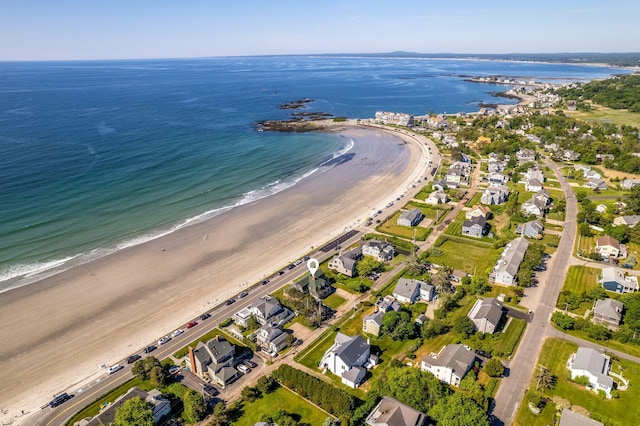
[{"x": 101, "y": 311}]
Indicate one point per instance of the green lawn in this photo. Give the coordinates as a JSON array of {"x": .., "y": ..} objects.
[
  {"x": 554, "y": 356},
  {"x": 509, "y": 338},
  {"x": 391, "y": 227},
  {"x": 466, "y": 256},
  {"x": 586, "y": 245},
  {"x": 429, "y": 211},
  {"x": 333, "y": 301},
  {"x": 581, "y": 279},
  {"x": 556, "y": 216},
  {"x": 475, "y": 199},
  {"x": 281, "y": 399}
]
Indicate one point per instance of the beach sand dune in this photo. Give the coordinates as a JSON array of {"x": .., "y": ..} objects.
[{"x": 57, "y": 332}]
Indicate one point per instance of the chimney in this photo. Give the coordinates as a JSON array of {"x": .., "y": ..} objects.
[{"x": 192, "y": 360}]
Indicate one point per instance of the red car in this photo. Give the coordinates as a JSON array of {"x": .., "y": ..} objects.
[{"x": 192, "y": 324}]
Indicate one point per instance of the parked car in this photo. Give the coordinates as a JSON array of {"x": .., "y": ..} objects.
[
  {"x": 163, "y": 340},
  {"x": 265, "y": 282},
  {"x": 149, "y": 349},
  {"x": 177, "y": 332},
  {"x": 114, "y": 368},
  {"x": 212, "y": 391},
  {"x": 133, "y": 358},
  {"x": 174, "y": 369},
  {"x": 243, "y": 368},
  {"x": 269, "y": 352},
  {"x": 63, "y": 397},
  {"x": 192, "y": 324},
  {"x": 306, "y": 258},
  {"x": 229, "y": 302},
  {"x": 205, "y": 317},
  {"x": 243, "y": 294},
  {"x": 281, "y": 272},
  {"x": 249, "y": 363}
]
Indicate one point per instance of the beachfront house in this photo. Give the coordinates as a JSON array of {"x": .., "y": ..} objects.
[
  {"x": 391, "y": 412},
  {"x": 316, "y": 285},
  {"x": 214, "y": 358},
  {"x": 346, "y": 262},
  {"x": 397, "y": 118},
  {"x": 347, "y": 358},
  {"x": 506, "y": 268},
  {"x": 589, "y": 363},
  {"x": 382, "y": 251},
  {"x": 410, "y": 217},
  {"x": 486, "y": 315},
  {"x": 266, "y": 310},
  {"x": 613, "y": 279},
  {"x": 450, "y": 364}
]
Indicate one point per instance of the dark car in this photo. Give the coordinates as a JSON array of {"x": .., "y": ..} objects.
[
  {"x": 63, "y": 397},
  {"x": 205, "y": 317},
  {"x": 229, "y": 302},
  {"x": 243, "y": 294},
  {"x": 209, "y": 389},
  {"x": 149, "y": 349},
  {"x": 133, "y": 358},
  {"x": 281, "y": 272},
  {"x": 192, "y": 324},
  {"x": 265, "y": 282}
]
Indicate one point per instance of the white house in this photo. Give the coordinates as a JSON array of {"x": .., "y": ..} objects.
[
  {"x": 409, "y": 291},
  {"x": 382, "y": 251},
  {"x": 437, "y": 197},
  {"x": 450, "y": 364},
  {"x": 410, "y": 217},
  {"x": 533, "y": 185},
  {"x": 476, "y": 211},
  {"x": 486, "y": 315},
  {"x": 533, "y": 206},
  {"x": 505, "y": 270},
  {"x": 595, "y": 366},
  {"x": 610, "y": 248},
  {"x": 346, "y": 357}
]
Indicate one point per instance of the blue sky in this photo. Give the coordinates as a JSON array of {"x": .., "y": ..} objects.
[{"x": 93, "y": 29}]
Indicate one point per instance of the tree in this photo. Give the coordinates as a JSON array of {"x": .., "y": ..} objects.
[
  {"x": 563, "y": 321},
  {"x": 251, "y": 394},
  {"x": 457, "y": 410},
  {"x": 134, "y": 412},
  {"x": 367, "y": 265},
  {"x": 158, "y": 376},
  {"x": 220, "y": 416},
  {"x": 442, "y": 281},
  {"x": 195, "y": 408},
  {"x": 585, "y": 230},
  {"x": 544, "y": 379},
  {"x": 267, "y": 384},
  {"x": 142, "y": 368},
  {"x": 464, "y": 326},
  {"x": 416, "y": 266},
  {"x": 494, "y": 367}
]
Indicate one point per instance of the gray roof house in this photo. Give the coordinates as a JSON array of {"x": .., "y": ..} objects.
[
  {"x": 533, "y": 206},
  {"x": 475, "y": 227},
  {"x": 543, "y": 196},
  {"x": 345, "y": 263},
  {"x": 533, "y": 185},
  {"x": 505, "y": 270},
  {"x": 450, "y": 364},
  {"x": 411, "y": 290},
  {"x": 596, "y": 184},
  {"x": 607, "y": 312},
  {"x": 571, "y": 418},
  {"x": 531, "y": 229},
  {"x": 391, "y": 412},
  {"x": 495, "y": 194},
  {"x": 160, "y": 404},
  {"x": 346, "y": 353},
  {"x": 271, "y": 337},
  {"x": 629, "y": 221},
  {"x": 629, "y": 183},
  {"x": 386, "y": 304},
  {"x": 437, "y": 197},
  {"x": 382, "y": 251},
  {"x": 371, "y": 323},
  {"x": 214, "y": 358},
  {"x": 411, "y": 217},
  {"x": 594, "y": 365},
  {"x": 267, "y": 310},
  {"x": 486, "y": 315},
  {"x": 613, "y": 279}
]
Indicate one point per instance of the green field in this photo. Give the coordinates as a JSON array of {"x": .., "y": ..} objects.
[
  {"x": 281, "y": 399},
  {"x": 475, "y": 199},
  {"x": 391, "y": 227},
  {"x": 466, "y": 256},
  {"x": 600, "y": 114},
  {"x": 615, "y": 411},
  {"x": 333, "y": 301},
  {"x": 581, "y": 279},
  {"x": 436, "y": 213}
]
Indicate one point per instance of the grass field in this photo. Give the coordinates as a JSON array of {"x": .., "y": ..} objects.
[
  {"x": 616, "y": 411},
  {"x": 334, "y": 301},
  {"x": 475, "y": 199},
  {"x": 391, "y": 227},
  {"x": 586, "y": 245},
  {"x": 466, "y": 256},
  {"x": 280, "y": 399},
  {"x": 437, "y": 213},
  {"x": 581, "y": 279},
  {"x": 509, "y": 339},
  {"x": 601, "y": 114}
]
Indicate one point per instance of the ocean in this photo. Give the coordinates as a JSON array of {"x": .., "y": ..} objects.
[{"x": 96, "y": 156}]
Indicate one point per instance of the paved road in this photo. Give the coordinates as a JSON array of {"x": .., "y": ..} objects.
[{"x": 522, "y": 365}]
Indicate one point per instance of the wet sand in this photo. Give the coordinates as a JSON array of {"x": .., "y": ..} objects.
[{"x": 57, "y": 332}]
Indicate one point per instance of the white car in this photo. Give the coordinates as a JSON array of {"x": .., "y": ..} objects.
[
  {"x": 243, "y": 368},
  {"x": 114, "y": 368},
  {"x": 164, "y": 340},
  {"x": 177, "y": 332}
]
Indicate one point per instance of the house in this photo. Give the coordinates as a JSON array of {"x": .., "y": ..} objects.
[
  {"x": 450, "y": 364},
  {"x": 457, "y": 275},
  {"x": 354, "y": 376},
  {"x": 591, "y": 174},
  {"x": 526, "y": 156},
  {"x": 215, "y": 359},
  {"x": 160, "y": 405},
  {"x": 610, "y": 248},
  {"x": 407, "y": 291},
  {"x": 371, "y": 323},
  {"x": 543, "y": 196},
  {"x": 437, "y": 121},
  {"x": 604, "y": 157},
  {"x": 533, "y": 185},
  {"x": 266, "y": 310},
  {"x": 570, "y": 155},
  {"x": 607, "y": 312},
  {"x": 571, "y": 418},
  {"x": 534, "y": 173},
  {"x": 629, "y": 221},
  {"x": 477, "y": 211},
  {"x": 475, "y": 227},
  {"x": 315, "y": 285},
  {"x": 495, "y": 194},
  {"x": 455, "y": 175},
  {"x": 505, "y": 270},
  {"x": 495, "y": 166},
  {"x": 346, "y": 262},
  {"x": 531, "y": 229},
  {"x": 427, "y": 292},
  {"x": 601, "y": 208},
  {"x": 613, "y": 279},
  {"x": 498, "y": 178},
  {"x": 391, "y": 412},
  {"x": 629, "y": 183},
  {"x": 397, "y": 118},
  {"x": 271, "y": 337},
  {"x": 410, "y": 217},
  {"x": 486, "y": 315},
  {"x": 381, "y": 251},
  {"x": 596, "y": 184},
  {"x": 386, "y": 304},
  {"x": 533, "y": 206},
  {"x": 347, "y": 353},
  {"x": 593, "y": 365},
  {"x": 437, "y": 197}
]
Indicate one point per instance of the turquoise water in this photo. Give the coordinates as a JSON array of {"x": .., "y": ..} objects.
[{"x": 96, "y": 156}]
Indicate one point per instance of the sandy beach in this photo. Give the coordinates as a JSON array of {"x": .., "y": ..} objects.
[{"x": 57, "y": 332}]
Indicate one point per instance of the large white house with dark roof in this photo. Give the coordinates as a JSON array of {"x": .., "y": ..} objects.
[
  {"x": 266, "y": 310},
  {"x": 410, "y": 217},
  {"x": 486, "y": 315},
  {"x": 505, "y": 270},
  {"x": 382, "y": 251},
  {"x": 450, "y": 364},
  {"x": 347, "y": 357},
  {"x": 346, "y": 262},
  {"x": 411, "y": 290},
  {"x": 595, "y": 366}
]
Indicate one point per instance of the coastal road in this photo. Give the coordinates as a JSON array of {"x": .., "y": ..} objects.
[
  {"x": 88, "y": 393},
  {"x": 522, "y": 365}
]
